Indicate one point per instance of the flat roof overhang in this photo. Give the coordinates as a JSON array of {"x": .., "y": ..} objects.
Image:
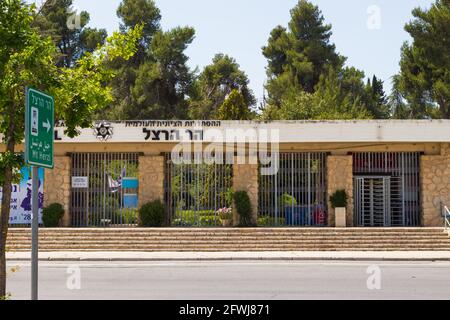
[{"x": 352, "y": 131}]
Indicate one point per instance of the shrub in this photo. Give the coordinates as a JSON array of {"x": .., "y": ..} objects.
[
  {"x": 339, "y": 199},
  {"x": 287, "y": 200},
  {"x": 126, "y": 216},
  {"x": 52, "y": 215},
  {"x": 243, "y": 208},
  {"x": 268, "y": 221},
  {"x": 152, "y": 214}
]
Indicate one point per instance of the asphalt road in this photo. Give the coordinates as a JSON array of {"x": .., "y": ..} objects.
[{"x": 234, "y": 280}]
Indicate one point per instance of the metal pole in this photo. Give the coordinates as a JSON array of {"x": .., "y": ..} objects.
[{"x": 35, "y": 235}]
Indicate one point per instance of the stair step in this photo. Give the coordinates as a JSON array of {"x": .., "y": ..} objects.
[{"x": 219, "y": 240}]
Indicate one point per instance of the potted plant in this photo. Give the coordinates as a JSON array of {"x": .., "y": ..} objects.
[
  {"x": 226, "y": 216},
  {"x": 339, "y": 204}
]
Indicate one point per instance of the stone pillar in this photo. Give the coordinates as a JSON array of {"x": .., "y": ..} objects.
[
  {"x": 340, "y": 177},
  {"x": 245, "y": 178},
  {"x": 435, "y": 186},
  {"x": 57, "y": 187},
  {"x": 151, "y": 179}
]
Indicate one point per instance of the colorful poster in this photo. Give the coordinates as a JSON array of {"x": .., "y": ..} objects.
[{"x": 21, "y": 198}]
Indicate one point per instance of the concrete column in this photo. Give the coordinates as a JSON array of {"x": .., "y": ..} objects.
[
  {"x": 151, "y": 179},
  {"x": 57, "y": 187},
  {"x": 245, "y": 178},
  {"x": 340, "y": 177},
  {"x": 435, "y": 186}
]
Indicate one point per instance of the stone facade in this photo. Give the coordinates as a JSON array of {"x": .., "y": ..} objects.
[
  {"x": 245, "y": 178},
  {"x": 151, "y": 179},
  {"x": 57, "y": 187},
  {"x": 340, "y": 176},
  {"x": 435, "y": 185}
]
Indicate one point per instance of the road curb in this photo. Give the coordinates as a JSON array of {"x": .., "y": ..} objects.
[{"x": 432, "y": 259}]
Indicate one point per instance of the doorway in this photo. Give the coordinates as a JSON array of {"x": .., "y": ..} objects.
[
  {"x": 373, "y": 201},
  {"x": 387, "y": 189}
]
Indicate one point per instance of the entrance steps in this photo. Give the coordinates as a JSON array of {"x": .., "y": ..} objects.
[{"x": 222, "y": 240}]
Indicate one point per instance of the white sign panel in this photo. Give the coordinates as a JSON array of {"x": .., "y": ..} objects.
[
  {"x": 278, "y": 131},
  {"x": 80, "y": 182}
]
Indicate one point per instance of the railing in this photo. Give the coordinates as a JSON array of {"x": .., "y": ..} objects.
[{"x": 447, "y": 218}]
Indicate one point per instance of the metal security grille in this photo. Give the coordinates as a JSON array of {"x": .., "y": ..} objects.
[
  {"x": 110, "y": 197},
  {"x": 373, "y": 201},
  {"x": 297, "y": 194},
  {"x": 387, "y": 184},
  {"x": 195, "y": 191}
]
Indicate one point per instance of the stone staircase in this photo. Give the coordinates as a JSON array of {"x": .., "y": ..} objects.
[{"x": 216, "y": 240}]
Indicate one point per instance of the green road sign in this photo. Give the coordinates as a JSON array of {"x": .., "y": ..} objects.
[{"x": 39, "y": 129}]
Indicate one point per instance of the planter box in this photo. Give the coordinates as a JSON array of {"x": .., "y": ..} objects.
[{"x": 341, "y": 217}]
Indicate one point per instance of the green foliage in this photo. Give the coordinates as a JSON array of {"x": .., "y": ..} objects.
[
  {"x": 243, "y": 208},
  {"x": 136, "y": 12},
  {"x": 156, "y": 82},
  {"x": 268, "y": 221},
  {"x": 52, "y": 215},
  {"x": 152, "y": 214},
  {"x": 71, "y": 43},
  {"x": 217, "y": 82},
  {"x": 298, "y": 56},
  {"x": 81, "y": 91},
  {"x": 234, "y": 108},
  {"x": 424, "y": 79},
  {"x": 29, "y": 59},
  {"x": 287, "y": 200},
  {"x": 339, "y": 95},
  {"x": 339, "y": 199},
  {"x": 307, "y": 80},
  {"x": 192, "y": 218},
  {"x": 126, "y": 216},
  {"x": 200, "y": 192},
  {"x": 5, "y": 298}
]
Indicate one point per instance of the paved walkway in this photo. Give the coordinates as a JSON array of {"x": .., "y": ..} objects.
[{"x": 234, "y": 256}]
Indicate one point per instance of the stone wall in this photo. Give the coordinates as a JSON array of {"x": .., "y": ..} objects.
[
  {"x": 57, "y": 187},
  {"x": 340, "y": 176},
  {"x": 435, "y": 185},
  {"x": 151, "y": 179},
  {"x": 245, "y": 178}
]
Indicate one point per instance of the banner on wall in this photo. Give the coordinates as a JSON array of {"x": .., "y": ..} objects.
[{"x": 21, "y": 198}]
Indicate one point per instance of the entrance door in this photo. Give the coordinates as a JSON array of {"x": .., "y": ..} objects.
[{"x": 373, "y": 201}]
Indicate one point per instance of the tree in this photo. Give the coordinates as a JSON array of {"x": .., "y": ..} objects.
[
  {"x": 424, "y": 79},
  {"x": 157, "y": 81},
  {"x": 234, "y": 108},
  {"x": 376, "y": 100},
  {"x": 217, "y": 81},
  {"x": 338, "y": 96},
  {"x": 27, "y": 59},
  {"x": 300, "y": 58},
  {"x": 57, "y": 20},
  {"x": 297, "y": 56}
]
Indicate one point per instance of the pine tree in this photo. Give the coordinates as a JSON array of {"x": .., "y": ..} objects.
[
  {"x": 217, "y": 81},
  {"x": 424, "y": 79},
  {"x": 234, "y": 108}
]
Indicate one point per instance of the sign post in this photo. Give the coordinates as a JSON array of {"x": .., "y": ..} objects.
[{"x": 39, "y": 139}]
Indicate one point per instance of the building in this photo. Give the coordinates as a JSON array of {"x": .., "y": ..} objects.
[{"x": 395, "y": 173}]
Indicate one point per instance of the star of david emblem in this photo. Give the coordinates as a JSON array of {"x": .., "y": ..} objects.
[{"x": 103, "y": 131}]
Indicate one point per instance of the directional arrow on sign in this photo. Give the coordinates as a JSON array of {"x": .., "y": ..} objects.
[{"x": 47, "y": 125}]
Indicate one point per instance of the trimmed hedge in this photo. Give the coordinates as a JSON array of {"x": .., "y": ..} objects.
[
  {"x": 152, "y": 214},
  {"x": 52, "y": 215},
  {"x": 243, "y": 208}
]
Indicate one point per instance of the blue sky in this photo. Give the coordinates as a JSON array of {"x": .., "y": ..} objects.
[{"x": 241, "y": 27}]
